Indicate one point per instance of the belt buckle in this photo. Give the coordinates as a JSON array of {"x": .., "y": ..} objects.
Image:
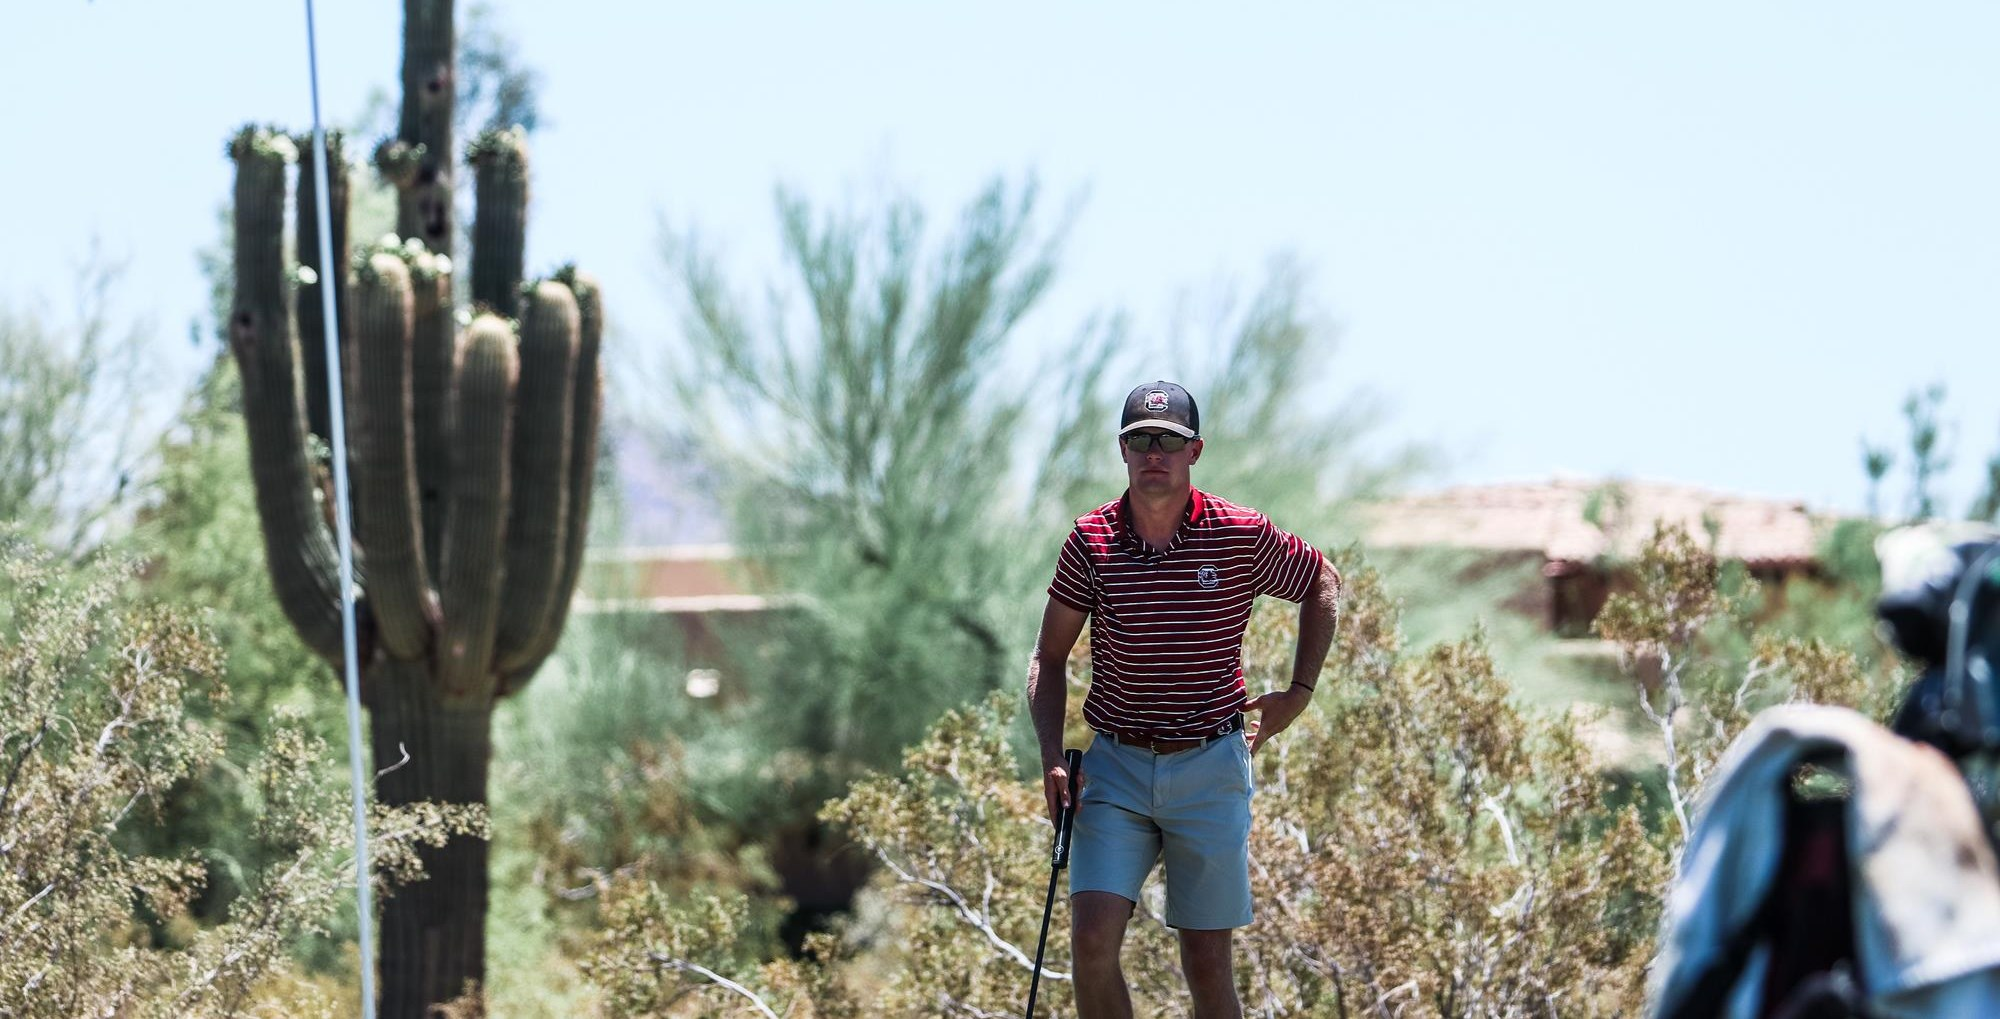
[{"x": 1152, "y": 744}]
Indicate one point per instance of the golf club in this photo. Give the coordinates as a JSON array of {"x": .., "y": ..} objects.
[{"x": 1073, "y": 759}]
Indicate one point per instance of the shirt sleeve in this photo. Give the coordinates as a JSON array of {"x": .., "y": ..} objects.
[
  {"x": 1286, "y": 565},
  {"x": 1072, "y": 585}
]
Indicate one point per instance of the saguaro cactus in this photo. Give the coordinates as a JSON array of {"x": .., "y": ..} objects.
[{"x": 472, "y": 450}]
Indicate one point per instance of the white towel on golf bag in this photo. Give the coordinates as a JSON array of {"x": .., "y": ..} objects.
[{"x": 1927, "y": 895}]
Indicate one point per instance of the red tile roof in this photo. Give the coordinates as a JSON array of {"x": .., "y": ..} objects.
[
  {"x": 1543, "y": 517},
  {"x": 670, "y": 578},
  {"x": 1550, "y": 518}
]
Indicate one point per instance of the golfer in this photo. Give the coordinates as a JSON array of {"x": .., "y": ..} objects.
[{"x": 1166, "y": 576}]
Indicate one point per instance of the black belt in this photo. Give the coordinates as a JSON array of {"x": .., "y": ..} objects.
[{"x": 1174, "y": 746}]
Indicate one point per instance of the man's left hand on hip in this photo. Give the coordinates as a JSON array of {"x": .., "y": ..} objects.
[{"x": 1277, "y": 711}]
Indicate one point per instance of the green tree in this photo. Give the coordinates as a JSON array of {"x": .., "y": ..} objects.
[
  {"x": 1930, "y": 454},
  {"x": 898, "y": 467},
  {"x": 1282, "y": 431},
  {"x": 497, "y": 89},
  {"x": 1987, "y": 506},
  {"x": 868, "y": 447},
  {"x": 888, "y": 461},
  {"x": 70, "y": 415},
  {"x": 473, "y": 456},
  {"x": 1876, "y": 461},
  {"x": 1929, "y": 442}
]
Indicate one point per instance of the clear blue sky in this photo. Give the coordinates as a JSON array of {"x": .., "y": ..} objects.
[{"x": 1712, "y": 243}]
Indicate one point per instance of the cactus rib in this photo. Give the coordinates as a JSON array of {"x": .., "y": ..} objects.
[
  {"x": 385, "y": 500},
  {"x": 471, "y": 573},
  {"x": 303, "y": 563}
]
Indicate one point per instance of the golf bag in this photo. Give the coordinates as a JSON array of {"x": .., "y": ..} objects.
[{"x": 1873, "y": 893}]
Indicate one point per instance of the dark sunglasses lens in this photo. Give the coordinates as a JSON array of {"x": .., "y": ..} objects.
[{"x": 1140, "y": 442}]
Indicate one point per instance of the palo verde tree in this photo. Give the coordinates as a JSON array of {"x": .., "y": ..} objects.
[
  {"x": 472, "y": 451},
  {"x": 70, "y": 414}
]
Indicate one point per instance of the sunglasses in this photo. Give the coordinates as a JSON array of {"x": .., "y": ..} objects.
[{"x": 1141, "y": 442}]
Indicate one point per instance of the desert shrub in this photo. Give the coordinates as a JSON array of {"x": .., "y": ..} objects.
[
  {"x": 94, "y": 732},
  {"x": 1423, "y": 847},
  {"x": 198, "y": 538},
  {"x": 603, "y": 780},
  {"x": 1688, "y": 631}
]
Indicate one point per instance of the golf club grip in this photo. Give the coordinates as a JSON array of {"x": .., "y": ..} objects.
[{"x": 1073, "y": 760}]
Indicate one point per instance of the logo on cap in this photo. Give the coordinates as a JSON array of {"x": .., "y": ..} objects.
[{"x": 1156, "y": 402}]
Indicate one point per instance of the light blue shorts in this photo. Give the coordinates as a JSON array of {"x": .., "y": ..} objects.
[{"x": 1191, "y": 807}]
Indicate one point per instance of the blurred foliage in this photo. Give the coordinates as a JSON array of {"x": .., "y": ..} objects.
[
  {"x": 95, "y": 688},
  {"x": 496, "y": 88},
  {"x": 866, "y": 456},
  {"x": 1279, "y": 430},
  {"x": 890, "y": 468},
  {"x": 1928, "y": 447},
  {"x": 1706, "y": 662},
  {"x": 71, "y": 412},
  {"x": 197, "y": 535},
  {"x": 1443, "y": 593},
  {"x": 1875, "y": 462},
  {"x": 1987, "y": 506},
  {"x": 1423, "y": 847},
  {"x": 594, "y": 784},
  {"x": 1834, "y": 603}
]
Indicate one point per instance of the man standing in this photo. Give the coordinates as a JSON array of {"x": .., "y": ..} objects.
[{"x": 1166, "y": 575}]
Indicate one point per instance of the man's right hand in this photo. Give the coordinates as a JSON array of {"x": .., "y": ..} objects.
[{"x": 1055, "y": 787}]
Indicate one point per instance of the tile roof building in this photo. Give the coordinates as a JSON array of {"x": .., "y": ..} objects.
[
  {"x": 1577, "y": 527},
  {"x": 698, "y": 595}
]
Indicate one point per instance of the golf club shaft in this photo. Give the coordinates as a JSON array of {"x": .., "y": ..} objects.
[
  {"x": 1048, "y": 907},
  {"x": 1073, "y": 760}
]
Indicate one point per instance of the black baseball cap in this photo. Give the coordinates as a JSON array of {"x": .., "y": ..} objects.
[{"x": 1161, "y": 405}]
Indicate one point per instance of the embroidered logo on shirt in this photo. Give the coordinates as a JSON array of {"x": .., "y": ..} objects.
[{"x": 1206, "y": 577}]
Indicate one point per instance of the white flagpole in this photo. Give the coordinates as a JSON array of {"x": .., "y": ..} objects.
[{"x": 343, "y": 527}]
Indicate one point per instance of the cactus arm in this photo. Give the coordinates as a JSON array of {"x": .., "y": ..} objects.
[
  {"x": 298, "y": 551},
  {"x": 430, "y": 79},
  {"x": 470, "y": 573},
  {"x": 499, "y": 229},
  {"x": 386, "y": 515},
  {"x": 586, "y": 411},
  {"x": 430, "y": 396},
  {"x": 311, "y": 311},
  {"x": 536, "y": 531}
]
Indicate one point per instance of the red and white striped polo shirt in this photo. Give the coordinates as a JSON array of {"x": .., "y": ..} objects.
[{"x": 1166, "y": 627}]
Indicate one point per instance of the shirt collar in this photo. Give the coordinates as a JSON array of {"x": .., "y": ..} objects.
[{"x": 1130, "y": 539}]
